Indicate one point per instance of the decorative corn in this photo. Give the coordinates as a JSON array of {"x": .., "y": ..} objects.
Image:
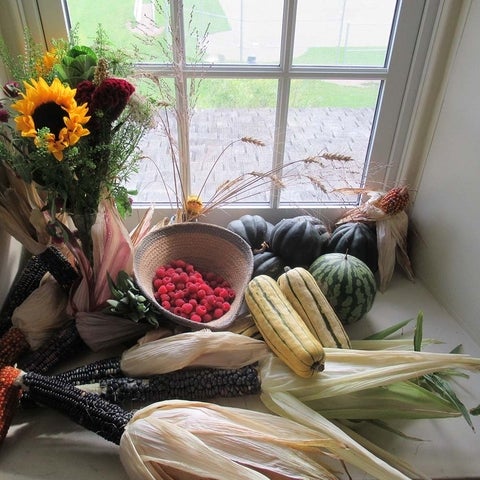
[
  {"x": 93, "y": 372},
  {"x": 185, "y": 384},
  {"x": 50, "y": 260},
  {"x": 395, "y": 200},
  {"x": 9, "y": 398},
  {"x": 27, "y": 281},
  {"x": 60, "y": 346},
  {"x": 86, "y": 409},
  {"x": 12, "y": 345},
  {"x": 59, "y": 267}
]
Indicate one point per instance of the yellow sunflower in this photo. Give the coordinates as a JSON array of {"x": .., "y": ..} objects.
[{"x": 51, "y": 107}]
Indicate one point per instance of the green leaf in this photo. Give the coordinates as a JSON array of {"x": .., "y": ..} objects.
[
  {"x": 437, "y": 384},
  {"x": 417, "y": 339},
  {"x": 382, "y": 334}
]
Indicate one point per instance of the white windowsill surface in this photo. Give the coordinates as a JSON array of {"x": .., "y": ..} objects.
[{"x": 42, "y": 444}]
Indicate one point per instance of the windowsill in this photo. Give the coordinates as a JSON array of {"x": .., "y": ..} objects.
[{"x": 42, "y": 444}]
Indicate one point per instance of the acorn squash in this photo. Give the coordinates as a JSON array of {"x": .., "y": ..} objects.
[
  {"x": 254, "y": 229},
  {"x": 299, "y": 240},
  {"x": 356, "y": 239}
]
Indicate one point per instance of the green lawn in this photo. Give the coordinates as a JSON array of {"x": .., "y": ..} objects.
[{"x": 217, "y": 93}]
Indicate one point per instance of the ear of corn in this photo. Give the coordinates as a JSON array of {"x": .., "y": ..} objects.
[
  {"x": 282, "y": 328},
  {"x": 9, "y": 398},
  {"x": 185, "y": 384},
  {"x": 306, "y": 297},
  {"x": 60, "y": 346},
  {"x": 59, "y": 267},
  {"x": 27, "y": 281},
  {"x": 92, "y": 372},
  {"x": 86, "y": 409},
  {"x": 395, "y": 200},
  {"x": 50, "y": 260},
  {"x": 13, "y": 344}
]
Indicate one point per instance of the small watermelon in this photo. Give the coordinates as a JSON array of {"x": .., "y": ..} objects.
[{"x": 348, "y": 284}]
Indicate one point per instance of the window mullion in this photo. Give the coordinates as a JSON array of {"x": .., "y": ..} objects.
[
  {"x": 283, "y": 94},
  {"x": 181, "y": 96}
]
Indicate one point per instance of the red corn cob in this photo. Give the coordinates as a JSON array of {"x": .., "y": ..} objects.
[
  {"x": 12, "y": 345},
  {"x": 395, "y": 200},
  {"x": 9, "y": 398}
]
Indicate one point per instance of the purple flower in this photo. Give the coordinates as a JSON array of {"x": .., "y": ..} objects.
[{"x": 11, "y": 89}]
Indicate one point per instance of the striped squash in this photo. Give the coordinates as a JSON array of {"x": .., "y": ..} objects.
[
  {"x": 348, "y": 284},
  {"x": 306, "y": 297},
  {"x": 282, "y": 328}
]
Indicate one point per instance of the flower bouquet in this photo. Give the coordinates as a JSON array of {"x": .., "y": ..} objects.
[{"x": 70, "y": 126}]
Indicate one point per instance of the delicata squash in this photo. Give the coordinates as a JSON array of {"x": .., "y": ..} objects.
[
  {"x": 282, "y": 328},
  {"x": 306, "y": 297}
]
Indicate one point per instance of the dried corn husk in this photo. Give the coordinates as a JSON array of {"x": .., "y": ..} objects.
[
  {"x": 20, "y": 212},
  {"x": 112, "y": 249},
  {"x": 392, "y": 247},
  {"x": 392, "y": 229},
  {"x": 197, "y": 440},
  {"x": 288, "y": 406},
  {"x": 203, "y": 348},
  {"x": 42, "y": 313},
  {"x": 100, "y": 330},
  {"x": 348, "y": 370}
]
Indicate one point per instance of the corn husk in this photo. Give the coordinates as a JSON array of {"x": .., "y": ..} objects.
[
  {"x": 349, "y": 370},
  {"x": 20, "y": 212},
  {"x": 198, "y": 440},
  {"x": 100, "y": 330},
  {"x": 391, "y": 344},
  {"x": 42, "y": 313},
  {"x": 392, "y": 230},
  {"x": 405, "y": 400},
  {"x": 112, "y": 249},
  {"x": 353, "y": 452},
  {"x": 392, "y": 247},
  {"x": 202, "y": 348}
]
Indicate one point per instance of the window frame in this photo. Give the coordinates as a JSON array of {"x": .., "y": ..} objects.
[{"x": 401, "y": 80}]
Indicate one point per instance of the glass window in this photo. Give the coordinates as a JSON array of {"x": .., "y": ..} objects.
[{"x": 322, "y": 84}]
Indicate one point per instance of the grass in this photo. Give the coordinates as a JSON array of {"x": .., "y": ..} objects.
[{"x": 223, "y": 93}]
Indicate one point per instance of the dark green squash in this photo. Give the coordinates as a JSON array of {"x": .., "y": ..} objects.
[
  {"x": 356, "y": 239},
  {"x": 254, "y": 229},
  {"x": 267, "y": 263},
  {"x": 299, "y": 240}
]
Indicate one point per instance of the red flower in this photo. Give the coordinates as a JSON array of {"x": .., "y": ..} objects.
[
  {"x": 4, "y": 115},
  {"x": 84, "y": 93},
  {"x": 111, "y": 97},
  {"x": 11, "y": 89}
]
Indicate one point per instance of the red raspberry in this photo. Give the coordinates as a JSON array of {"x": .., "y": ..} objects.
[
  {"x": 187, "y": 308},
  {"x": 195, "y": 318}
]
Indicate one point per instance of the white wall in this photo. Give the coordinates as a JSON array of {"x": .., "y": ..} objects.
[{"x": 446, "y": 213}]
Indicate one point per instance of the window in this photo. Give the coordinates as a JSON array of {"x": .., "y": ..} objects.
[{"x": 306, "y": 77}]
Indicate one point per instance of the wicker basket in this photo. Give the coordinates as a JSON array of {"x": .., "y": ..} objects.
[{"x": 208, "y": 248}]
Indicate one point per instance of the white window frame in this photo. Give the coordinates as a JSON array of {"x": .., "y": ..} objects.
[{"x": 400, "y": 84}]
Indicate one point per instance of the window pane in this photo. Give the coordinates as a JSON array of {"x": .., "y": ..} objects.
[
  {"x": 343, "y": 32},
  {"x": 328, "y": 117},
  {"x": 239, "y": 31},
  {"x": 226, "y": 111},
  {"x": 136, "y": 26}
]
